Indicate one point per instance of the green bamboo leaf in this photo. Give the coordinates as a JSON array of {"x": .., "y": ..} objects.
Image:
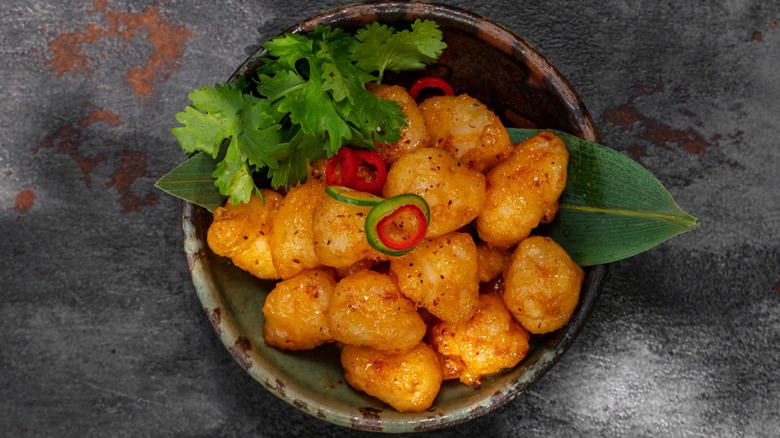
[
  {"x": 612, "y": 207},
  {"x": 193, "y": 182}
]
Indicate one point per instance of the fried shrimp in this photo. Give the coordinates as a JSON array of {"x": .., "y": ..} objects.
[
  {"x": 523, "y": 191},
  {"x": 292, "y": 238},
  {"x": 242, "y": 233},
  {"x": 367, "y": 309},
  {"x": 339, "y": 234},
  {"x": 491, "y": 262},
  {"x": 455, "y": 194},
  {"x": 468, "y": 129},
  {"x": 296, "y": 311},
  {"x": 487, "y": 343},
  {"x": 408, "y": 382},
  {"x": 440, "y": 275},
  {"x": 414, "y": 135},
  {"x": 542, "y": 285}
]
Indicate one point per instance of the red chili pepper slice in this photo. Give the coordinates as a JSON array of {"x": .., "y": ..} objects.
[
  {"x": 370, "y": 172},
  {"x": 394, "y": 233},
  {"x": 341, "y": 168},
  {"x": 430, "y": 82},
  {"x": 357, "y": 169},
  {"x": 396, "y": 225}
]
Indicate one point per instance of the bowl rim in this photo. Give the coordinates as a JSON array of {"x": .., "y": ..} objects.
[{"x": 195, "y": 221}]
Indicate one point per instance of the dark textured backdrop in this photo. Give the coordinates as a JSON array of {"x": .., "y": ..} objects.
[{"x": 101, "y": 333}]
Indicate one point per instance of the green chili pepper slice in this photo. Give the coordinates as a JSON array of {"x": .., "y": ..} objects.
[
  {"x": 397, "y": 224},
  {"x": 352, "y": 196}
]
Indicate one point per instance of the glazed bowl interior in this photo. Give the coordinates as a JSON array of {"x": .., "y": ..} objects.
[{"x": 525, "y": 90}]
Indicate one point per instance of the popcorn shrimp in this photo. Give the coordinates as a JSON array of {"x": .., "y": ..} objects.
[
  {"x": 408, "y": 382},
  {"x": 468, "y": 129},
  {"x": 523, "y": 191},
  {"x": 339, "y": 234},
  {"x": 414, "y": 135},
  {"x": 440, "y": 275},
  {"x": 367, "y": 309},
  {"x": 296, "y": 311},
  {"x": 242, "y": 233},
  {"x": 487, "y": 343},
  {"x": 491, "y": 262},
  {"x": 542, "y": 285},
  {"x": 455, "y": 194},
  {"x": 292, "y": 240}
]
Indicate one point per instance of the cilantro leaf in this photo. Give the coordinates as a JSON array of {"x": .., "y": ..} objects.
[
  {"x": 260, "y": 136},
  {"x": 233, "y": 177},
  {"x": 209, "y": 119},
  {"x": 224, "y": 112},
  {"x": 370, "y": 117},
  {"x": 303, "y": 149},
  {"x": 314, "y": 111},
  {"x": 280, "y": 84},
  {"x": 379, "y": 48},
  {"x": 288, "y": 49},
  {"x": 340, "y": 76}
]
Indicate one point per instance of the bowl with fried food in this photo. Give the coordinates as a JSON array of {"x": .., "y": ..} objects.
[{"x": 397, "y": 337}]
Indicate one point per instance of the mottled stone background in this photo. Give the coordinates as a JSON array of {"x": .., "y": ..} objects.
[{"x": 101, "y": 333}]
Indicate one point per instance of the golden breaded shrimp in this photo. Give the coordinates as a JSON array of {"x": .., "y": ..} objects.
[
  {"x": 414, "y": 135},
  {"x": 455, "y": 194},
  {"x": 440, "y": 274},
  {"x": 487, "y": 343},
  {"x": 523, "y": 191},
  {"x": 339, "y": 233},
  {"x": 241, "y": 232},
  {"x": 367, "y": 309},
  {"x": 292, "y": 240},
  {"x": 466, "y": 128},
  {"x": 408, "y": 382},
  {"x": 296, "y": 311},
  {"x": 542, "y": 285},
  {"x": 491, "y": 262}
]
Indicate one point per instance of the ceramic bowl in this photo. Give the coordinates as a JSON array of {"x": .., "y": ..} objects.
[{"x": 526, "y": 91}]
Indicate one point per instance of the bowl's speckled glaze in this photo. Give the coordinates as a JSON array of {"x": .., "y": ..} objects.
[{"x": 488, "y": 62}]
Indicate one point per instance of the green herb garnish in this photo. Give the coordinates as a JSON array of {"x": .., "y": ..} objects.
[{"x": 312, "y": 100}]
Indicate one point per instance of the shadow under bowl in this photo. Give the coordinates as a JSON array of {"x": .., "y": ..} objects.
[{"x": 526, "y": 91}]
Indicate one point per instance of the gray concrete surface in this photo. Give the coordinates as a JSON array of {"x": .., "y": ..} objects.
[{"x": 101, "y": 333}]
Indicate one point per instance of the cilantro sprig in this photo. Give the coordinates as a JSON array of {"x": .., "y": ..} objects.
[{"x": 312, "y": 99}]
